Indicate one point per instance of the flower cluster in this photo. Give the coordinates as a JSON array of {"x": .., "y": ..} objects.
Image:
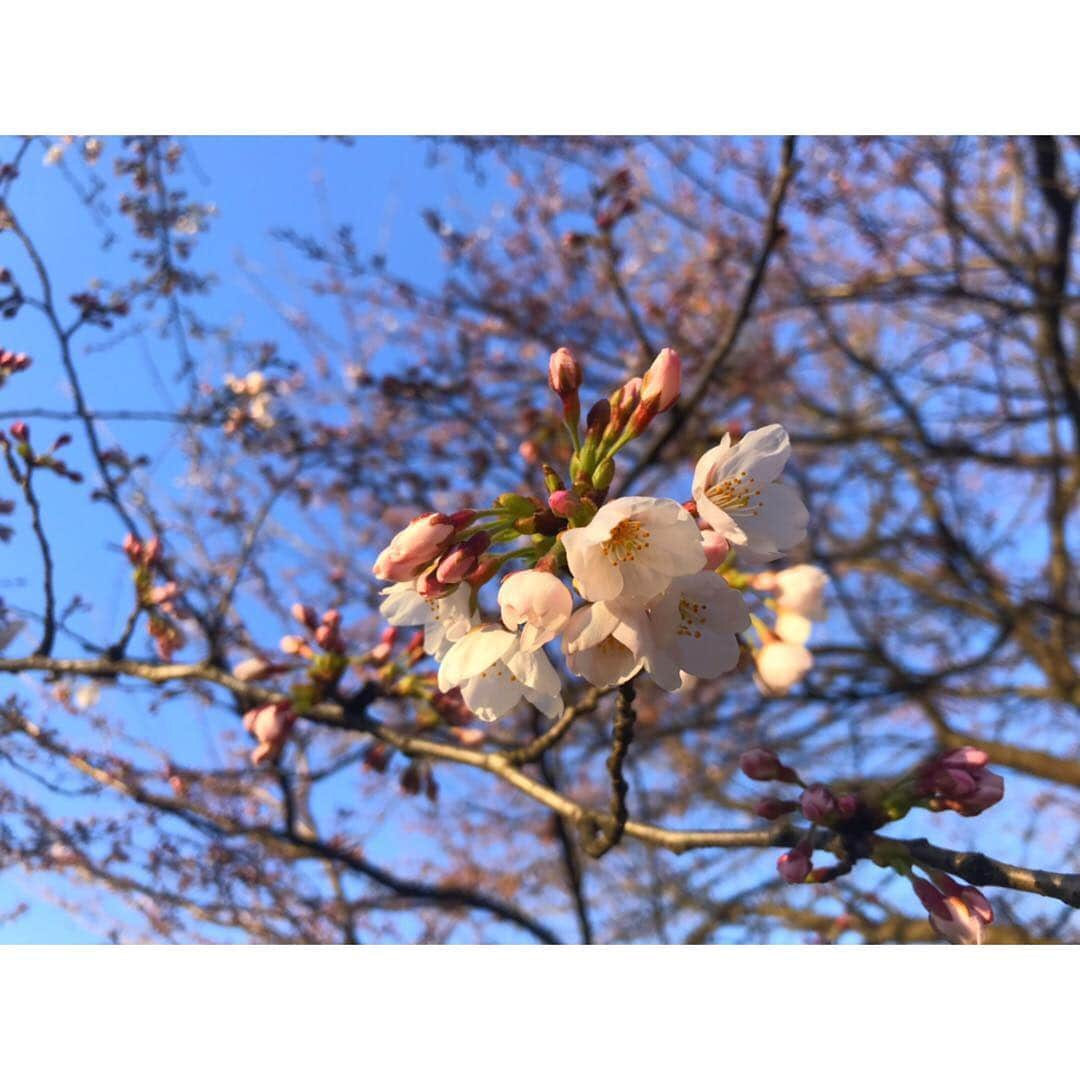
[
  {"x": 627, "y": 584},
  {"x": 11, "y": 363},
  {"x": 253, "y": 396},
  {"x": 157, "y": 599},
  {"x": 20, "y": 433}
]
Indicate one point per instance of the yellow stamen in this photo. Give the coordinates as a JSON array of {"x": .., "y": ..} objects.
[{"x": 626, "y": 540}]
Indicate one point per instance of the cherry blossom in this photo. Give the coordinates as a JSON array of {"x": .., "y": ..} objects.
[
  {"x": 538, "y": 599},
  {"x": 736, "y": 491},
  {"x": 444, "y": 619},
  {"x": 692, "y": 629},
  {"x": 799, "y": 599},
  {"x": 633, "y": 548},
  {"x": 606, "y": 643},
  {"x": 780, "y": 665},
  {"x": 494, "y": 674}
]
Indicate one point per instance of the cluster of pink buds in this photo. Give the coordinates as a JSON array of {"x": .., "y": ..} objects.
[
  {"x": 431, "y": 550},
  {"x": 158, "y": 599},
  {"x": 959, "y": 913},
  {"x": 960, "y": 781},
  {"x": 327, "y": 631},
  {"x": 270, "y": 724},
  {"x": 11, "y": 363},
  {"x": 20, "y": 432},
  {"x": 324, "y": 669},
  {"x": 382, "y": 652},
  {"x": 819, "y": 804},
  {"x": 614, "y": 421}
]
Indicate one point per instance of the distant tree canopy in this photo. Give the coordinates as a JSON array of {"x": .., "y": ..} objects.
[{"x": 905, "y": 307}]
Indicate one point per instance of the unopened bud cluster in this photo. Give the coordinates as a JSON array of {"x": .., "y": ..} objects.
[
  {"x": 155, "y": 594},
  {"x": 956, "y": 780}
]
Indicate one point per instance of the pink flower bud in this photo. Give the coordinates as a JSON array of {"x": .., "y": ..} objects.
[
  {"x": 771, "y": 808},
  {"x": 462, "y": 519},
  {"x": 377, "y": 757},
  {"x": 564, "y": 373},
  {"x": 989, "y": 789},
  {"x": 847, "y": 806},
  {"x": 304, "y": 615},
  {"x": 430, "y": 587},
  {"x": 251, "y": 669},
  {"x": 152, "y": 551},
  {"x": 716, "y": 548},
  {"x": 661, "y": 384},
  {"x": 20, "y": 430},
  {"x": 462, "y": 559},
  {"x": 818, "y": 804},
  {"x": 967, "y": 757},
  {"x": 132, "y": 547},
  {"x": 421, "y": 541},
  {"x": 529, "y": 451},
  {"x": 326, "y": 637},
  {"x": 270, "y": 724},
  {"x": 294, "y": 645},
  {"x": 163, "y": 594},
  {"x": 598, "y": 417},
  {"x": 564, "y": 503},
  {"x": 382, "y": 651},
  {"x": 794, "y": 866},
  {"x": 760, "y": 764}
]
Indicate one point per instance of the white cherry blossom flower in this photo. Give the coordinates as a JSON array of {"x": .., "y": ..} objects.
[
  {"x": 632, "y": 549},
  {"x": 444, "y": 620},
  {"x": 494, "y": 674},
  {"x": 801, "y": 589},
  {"x": 606, "y": 643},
  {"x": 692, "y": 630},
  {"x": 799, "y": 599},
  {"x": 780, "y": 665},
  {"x": 538, "y": 599},
  {"x": 737, "y": 494}
]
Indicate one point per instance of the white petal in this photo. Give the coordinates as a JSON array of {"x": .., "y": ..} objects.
[
  {"x": 534, "y": 671},
  {"x": 793, "y": 627},
  {"x": 720, "y": 521},
  {"x": 493, "y": 694},
  {"x": 595, "y": 577},
  {"x": 473, "y": 654},
  {"x": 588, "y": 626},
  {"x": 608, "y": 664},
  {"x": 404, "y": 606},
  {"x": 763, "y": 453},
  {"x": 778, "y": 526}
]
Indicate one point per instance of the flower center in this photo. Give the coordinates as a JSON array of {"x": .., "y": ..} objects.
[
  {"x": 691, "y": 615},
  {"x": 626, "y": 540},
  {"x": 735, "y": 493}
]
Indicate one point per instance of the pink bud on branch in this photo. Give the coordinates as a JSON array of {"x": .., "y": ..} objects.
[{"x": 662, "y": 382}]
